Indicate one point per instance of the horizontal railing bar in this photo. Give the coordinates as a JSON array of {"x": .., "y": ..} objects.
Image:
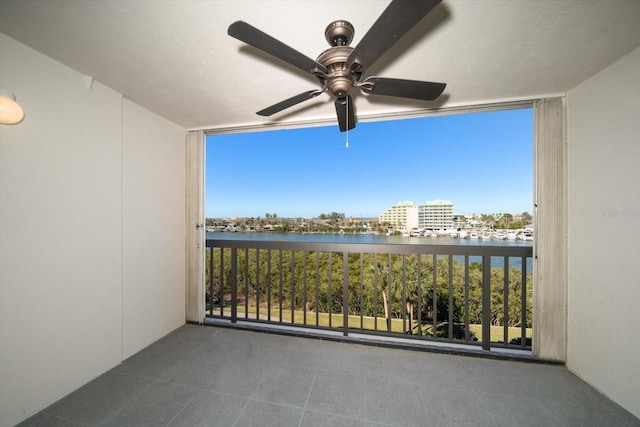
[{"x": 378, "y": 248}]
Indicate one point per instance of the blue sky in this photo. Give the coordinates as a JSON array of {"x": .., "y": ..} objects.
[{"x": 482, "y": 162}]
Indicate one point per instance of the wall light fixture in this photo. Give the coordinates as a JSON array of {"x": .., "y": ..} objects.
[{"x": 10, "y": 111}]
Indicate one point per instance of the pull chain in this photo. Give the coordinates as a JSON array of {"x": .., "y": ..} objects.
[{"x": 347, "y": 114}]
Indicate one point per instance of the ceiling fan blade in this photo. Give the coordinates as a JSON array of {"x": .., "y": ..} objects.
[
  {"x": 414, "y": 89},
  {"x": 256, "y": 38},
  {"x": 396, "y": 20},
  {"x": 344, "y": 111},
  {"x": 275, "y": 108}
]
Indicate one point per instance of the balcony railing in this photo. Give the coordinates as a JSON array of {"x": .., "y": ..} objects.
[{"x": 477, "y": 295}]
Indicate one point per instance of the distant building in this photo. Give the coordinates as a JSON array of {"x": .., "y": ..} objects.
[
  {"x": 404, "y": 214},
  {"x": 436, "y": 215},
  {"x": 433, "y": 215}
]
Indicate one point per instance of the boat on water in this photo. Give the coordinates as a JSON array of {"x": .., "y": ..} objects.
[
  {"x": 473, "y": 235},
  {"x": 526, "y": 235},
  {"x": 512, "y": 235},
  {"x": 500, "y": 235}
]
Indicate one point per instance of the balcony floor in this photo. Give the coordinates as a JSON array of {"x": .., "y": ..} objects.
[{"x": 211, "y": 376}]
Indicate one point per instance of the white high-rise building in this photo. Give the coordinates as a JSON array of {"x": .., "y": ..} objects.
[
  {"x": 433, "y": 215},
  {"x": 403, "y": 214},
  {"x": 436, "y": 215}
]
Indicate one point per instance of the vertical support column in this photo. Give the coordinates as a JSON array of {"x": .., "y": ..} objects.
[
  {"x": 195, "y": 230},
  {"x": 550, "y": 244}
]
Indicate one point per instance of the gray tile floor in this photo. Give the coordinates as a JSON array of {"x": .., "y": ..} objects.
[{"x": 211, "y": 376}]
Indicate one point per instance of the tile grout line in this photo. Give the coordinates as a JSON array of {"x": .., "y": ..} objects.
[
  {"x": 185, "y": 405},
  {"x": 250, "y": 398},
  {"x": 131, "y": 400},
  {"x": 68, "y": 419},
  {"x": 366, "y": 415},
  {"x": 484, "y": 409},
  {"x": 306, "y": 401}
]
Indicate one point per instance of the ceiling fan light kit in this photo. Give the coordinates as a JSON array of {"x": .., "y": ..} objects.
[{"x": 340, "y": 68}]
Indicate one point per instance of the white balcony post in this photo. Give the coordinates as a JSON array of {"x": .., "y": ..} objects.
[
  {"x": 550, "y": 245},
  {"x": 195, "y": 226}
]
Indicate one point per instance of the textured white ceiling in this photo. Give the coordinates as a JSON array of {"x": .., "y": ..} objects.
[{"x": 176, "y": 59}]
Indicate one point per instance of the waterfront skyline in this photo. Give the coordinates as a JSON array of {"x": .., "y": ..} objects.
[{"x": 482, "y": 162}]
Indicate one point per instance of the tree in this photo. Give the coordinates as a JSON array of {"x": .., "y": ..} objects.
[
  {"x": 487, "y": 219},
  {"x": 506, "y": 221},
  {"x": 336, "y": 217}
]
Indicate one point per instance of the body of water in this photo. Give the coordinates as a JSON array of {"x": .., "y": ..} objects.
[
  {"x": 362, "y": 238},
  {"x": 372, "y": 238}
]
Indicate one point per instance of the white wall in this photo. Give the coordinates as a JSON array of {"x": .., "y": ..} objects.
[
  {"x": 90, "y": 185},
  {"x": 603, "y": 116},
  {"x": 153, "y": 209}
]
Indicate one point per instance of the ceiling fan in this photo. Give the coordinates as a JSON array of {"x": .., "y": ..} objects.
[{"x": 340, "y": 68}]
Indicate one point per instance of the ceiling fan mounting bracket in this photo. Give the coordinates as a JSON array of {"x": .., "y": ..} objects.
[{"x": 339, "y": 33}]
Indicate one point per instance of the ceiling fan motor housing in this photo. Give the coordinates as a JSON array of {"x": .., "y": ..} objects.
[{"x": 338, "y": 79}]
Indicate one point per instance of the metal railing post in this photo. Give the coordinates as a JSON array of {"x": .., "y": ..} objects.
[
  {"x": 211, "y": 280},
  {"x": 523, "y": 305},
  {"x": 450, "y": 313},
  {"x": 234, "y": 285},
  {"x": 505, "y": 303},
  {"x": 345, "y": 293},
  {"x": 486, "y": 302}
]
